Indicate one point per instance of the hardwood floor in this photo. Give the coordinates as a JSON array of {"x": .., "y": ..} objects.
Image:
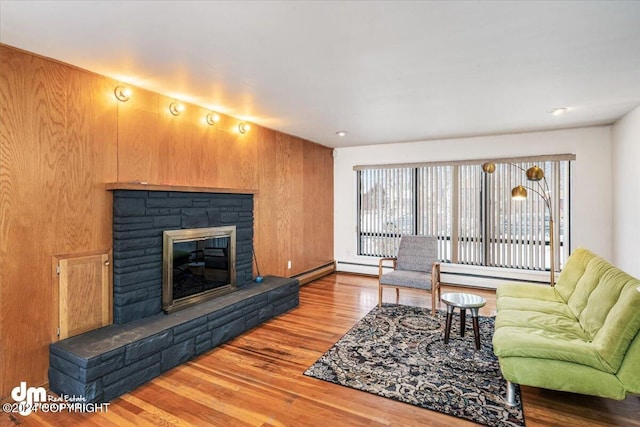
[{"x": 256, "y": 379}]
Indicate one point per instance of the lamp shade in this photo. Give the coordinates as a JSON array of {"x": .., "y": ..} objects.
[
  {"x": 488, "y": 167},
  {"x": 534, "y": 173},
  {"x": 519, "y": 193}
]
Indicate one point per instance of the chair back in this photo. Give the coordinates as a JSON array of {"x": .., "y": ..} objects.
[{"x": 417, "y": 253}]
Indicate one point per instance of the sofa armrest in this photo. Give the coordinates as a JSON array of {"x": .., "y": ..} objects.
[{"x": 629, "y": 372}]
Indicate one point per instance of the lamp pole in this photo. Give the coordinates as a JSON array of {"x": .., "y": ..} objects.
[
  {"x": 551, "y": 250},
  {"x": 519, "y": 192}
]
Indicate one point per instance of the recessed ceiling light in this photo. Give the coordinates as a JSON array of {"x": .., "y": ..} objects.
[
  {"x": 341, "y": 133},
  {"x": 558, "y": 111}
]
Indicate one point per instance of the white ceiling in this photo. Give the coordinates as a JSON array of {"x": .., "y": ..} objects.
[{"x": 384, "y": 71}]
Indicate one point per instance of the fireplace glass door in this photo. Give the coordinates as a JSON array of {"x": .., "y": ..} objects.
[{"x": 198, "y": 265}]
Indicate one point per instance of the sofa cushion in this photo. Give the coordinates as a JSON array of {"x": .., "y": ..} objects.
[
  {"x": 573, "y": 269},
  {"x": 534, "y": 305},
  {"x": 563, "y": 325},
  {"x": 615, "y": 306},
  {"x": 611, "y": 283},
  {"x": 406, "y": 278},
  {"x": 524, "y": 342},
  {"x": 593, "y": 272},
  {"x": 528, "y": 290}
]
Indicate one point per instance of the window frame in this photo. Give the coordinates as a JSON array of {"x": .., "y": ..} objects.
[{"x": 453, "y": 238}]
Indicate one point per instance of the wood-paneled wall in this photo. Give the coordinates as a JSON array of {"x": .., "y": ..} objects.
[{"x": 63, "y": 136}]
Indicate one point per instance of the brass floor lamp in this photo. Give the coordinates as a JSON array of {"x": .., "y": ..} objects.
[{"x": 519, "y": 192}]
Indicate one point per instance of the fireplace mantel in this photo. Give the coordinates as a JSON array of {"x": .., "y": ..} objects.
[{"x": 110, "y": 186}]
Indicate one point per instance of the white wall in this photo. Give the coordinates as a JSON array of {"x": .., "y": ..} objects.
[
  {"x": 591, "y": 198},
  {"x": 626, "y": 193}
]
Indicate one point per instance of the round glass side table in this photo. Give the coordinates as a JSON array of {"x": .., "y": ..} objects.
[{"x": 462, "y": 301}]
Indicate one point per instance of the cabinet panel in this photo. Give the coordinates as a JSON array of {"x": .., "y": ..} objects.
[{"x": 84, "y": 293}]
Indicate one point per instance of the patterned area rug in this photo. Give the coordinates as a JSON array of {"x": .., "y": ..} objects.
[{"x": 399, "y": 352}]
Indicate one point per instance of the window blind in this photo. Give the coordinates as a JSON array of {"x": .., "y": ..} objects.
[{"x": 471, "y": 213}]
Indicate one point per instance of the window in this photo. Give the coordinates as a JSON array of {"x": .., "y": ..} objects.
[{"x": 472, "y": 213}]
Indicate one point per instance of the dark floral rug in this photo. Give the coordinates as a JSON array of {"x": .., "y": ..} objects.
[{"x": 399, "y": 352}]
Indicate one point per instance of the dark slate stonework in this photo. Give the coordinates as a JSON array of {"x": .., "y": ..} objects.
[
  {"x": 140, "y": 217},
  {"x": 105, "y": 363},
  {"x": 91, "y": 391}
]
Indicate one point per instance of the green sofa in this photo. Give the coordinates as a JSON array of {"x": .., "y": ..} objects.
[{"x": 579, "y": 336}]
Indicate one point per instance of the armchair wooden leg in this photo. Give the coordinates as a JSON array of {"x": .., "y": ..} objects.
[
  {"x": 379, "y": 295},
  {"x": 433, "y": 301}
]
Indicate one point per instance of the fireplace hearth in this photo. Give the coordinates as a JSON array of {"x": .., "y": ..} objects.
[{"x": 103, "y": 364}]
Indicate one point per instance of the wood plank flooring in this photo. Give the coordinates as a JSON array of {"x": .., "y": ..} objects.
[{"x": 256, "y": 379}]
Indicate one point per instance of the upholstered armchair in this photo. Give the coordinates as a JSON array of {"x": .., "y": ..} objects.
[{"x": 415, "y": 266}]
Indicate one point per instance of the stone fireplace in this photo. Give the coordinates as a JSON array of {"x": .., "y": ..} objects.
[
  {"x": 139, "y": 220},
  {"x": 144, "y": 342}
]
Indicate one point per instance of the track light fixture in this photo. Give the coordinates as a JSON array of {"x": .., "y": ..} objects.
[
  {"x": 212, "y": 119},
  {"x": 244, "y": 127},
  {"x": 122, "y": 93},
  {"x": 176, "y": 108}
]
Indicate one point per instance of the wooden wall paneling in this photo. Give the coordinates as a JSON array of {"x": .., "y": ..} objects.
[
  {"x": 191, "y": 142},
  {"x": 105, "y": 165},
  {"x": 172, "y": 136},
  {"x": 218, "y": 168},
  {"x": 318, "y": 202},
  {"x": 289, "y": 202},
  {"x": 237, "y": 155},
  {"x": 202, "y": 139},
  {"x": 58, "y": 148},
  {"x": 282, "y": 200},
  {"x": 210, "y": 155},
  {"x": 183, "y": 139},
  {"x": 327, "y": 185},
  {"x": 265, "y": 208},
  {"x": 85, "y": 162},
  {"x": 229, "y": 161},
  {"x": 298, "y": 209},
  {"x": 33, "y": 118},
  {"x": 248, "y": 145},
  {"x": 141, "y": 152},
  {"x": 295, "y": 204}
]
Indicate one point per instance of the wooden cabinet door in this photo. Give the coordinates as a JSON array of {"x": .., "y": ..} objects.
[{"x": 84, "y": 293}]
